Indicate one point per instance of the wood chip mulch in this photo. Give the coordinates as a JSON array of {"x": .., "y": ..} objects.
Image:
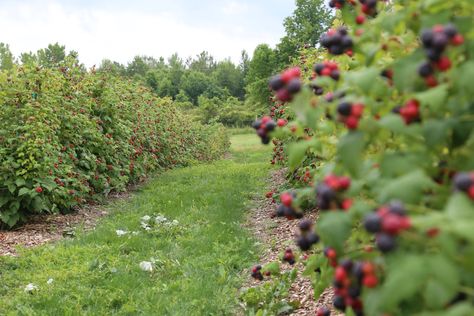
[
  {"x": 41, "y": 229},
  {"x": 276, "y": 235}
]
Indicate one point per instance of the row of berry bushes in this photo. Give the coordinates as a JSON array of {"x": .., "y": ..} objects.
[
  {"x": 69, "y": 135},
  {"x": 380, "y": 140}
]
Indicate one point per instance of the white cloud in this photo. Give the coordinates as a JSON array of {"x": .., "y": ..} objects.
[
  {"x": 234, "y": 8},
  {"x": 121, "y": 34}
]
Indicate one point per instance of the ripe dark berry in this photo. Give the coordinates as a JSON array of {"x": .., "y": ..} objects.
[
  {"x": 450, "y": 30},
  {"x": 397, "y": 207},
  {"x": 305, "y": 225},
  {"x": 344, "y": 108},
  {"x": 294, "y": 86},
  {"x": 373, "y": 223},
  {"x": 339, "y": 303},
  {"x": 463, "y": 181},
  {"x": 425, "y": 70},
  {"x": 323, "y": 311},
  {"x": 276, "y": 83},
  {"x": 385, "y": 243}
]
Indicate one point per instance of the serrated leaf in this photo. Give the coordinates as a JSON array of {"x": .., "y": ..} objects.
[
  {"x": 334, "y": 228},
  {"x": 433, "y": 98},
  {"x": 408, "y": 188},
  {"x": 459, "y": 206},
  {"x": 350, "y": 149},
  {"x": 23, "y": 191}
]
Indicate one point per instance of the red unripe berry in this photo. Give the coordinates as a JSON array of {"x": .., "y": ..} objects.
[
  {"x": 368, "y": 268},
  {"x": 349, "y": 52},
  {"x": 433, "y": 232},
  {"x": 283, "y": 95},
  {"x": 266, "y": 119},
  {"x": 281, "y": 122},
  {"x": 370, "y": 281},
  {"x": 39, "y": 189},
  {"x": 346, "y": 204},
  {"x": 286, "y": 199},
  {"x": 291, "y": 73},
  {"x": 444, "y": 63},
  {"x": 471, "y": 192},
  {"x": 331, "y": 253},
  {"x": 344, "y": 183},
  {"x": 269, "y": 194},
  {"x": 431, "y": 81},
  {"x": 333, "y": 182},
  {"x": 340, "y": 274},
  {"x": 391, "y": 224},
  {"x": 438, "y": 28},
  {"x": 360, "y": 19},
  {"x": 357, "y": 109},
  {"x": 352, "y": 122},
  {"x": 331, "y": 65},
  {"x": 457, "y": 40},
  {"x": 326, "y": 72}
]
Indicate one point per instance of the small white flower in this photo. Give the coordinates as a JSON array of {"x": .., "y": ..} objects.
[
  {"x": 145, "y": 226},
  {"x": 31, "y": 288},
  {"x": 145, "y": 219},
  {"x": 135, "y": 233},
  {"x": 121, "y": 232},
  {"x": 50, "y": 281},
  {"x": 160, "y": 219},
  {"x": 175, "y": 222},
  {"x": 146, "y": 266}
]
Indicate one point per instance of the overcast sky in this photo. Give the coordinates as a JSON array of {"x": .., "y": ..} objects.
[{"x": 121, "y": 29}]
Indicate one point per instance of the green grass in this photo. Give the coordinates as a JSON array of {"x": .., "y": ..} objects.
[{"x": 198, "y": 263}]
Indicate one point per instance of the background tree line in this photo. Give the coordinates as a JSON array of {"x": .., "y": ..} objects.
[{"x": 211, "y": 90}]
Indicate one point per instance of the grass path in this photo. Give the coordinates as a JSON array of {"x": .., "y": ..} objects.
[{"x": 196, "y": 263}]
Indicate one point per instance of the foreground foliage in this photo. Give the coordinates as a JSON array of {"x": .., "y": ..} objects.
[
  {"x": 381, "y": 141},
  {"x": 70, "y": 135}
]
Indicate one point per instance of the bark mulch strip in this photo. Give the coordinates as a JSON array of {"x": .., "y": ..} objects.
[
  {"x": 41, "y": 229},
  {"x": 276, "y": 235}
]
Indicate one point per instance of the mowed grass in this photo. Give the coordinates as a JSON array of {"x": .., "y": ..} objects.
[{"x": 198, "y": 264}]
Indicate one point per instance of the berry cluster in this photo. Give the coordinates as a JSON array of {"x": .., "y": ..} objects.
[
  {"x": 323, "y": 311},
  {"x": 464, "y": 182},
  {"x": 349, "y": 278},
  {"x": 329, "y": 193},
  {"x": 337, "y": 41},
  {"x": 307, "y": 237},
  {"x": 350, "y": 114},
  {"x": 257, "y": 273},
  {"x": 369, "y": 7},
  {"x": 387, "y": 222},
  {"x": 263, "y": 128},
  {"x": 338, "y": 4},
  {"x": 289, "y": 256},
  {"x": 410, "y": 112},
  {"x": 327, "y": 69},
  {"x": 331, "y": 254},
  {"x": 286, "y": 209},
  {"x": 435, "y": 41},
  {"x": 287, "y": 84},
  {"x": 278, "y": 152}
]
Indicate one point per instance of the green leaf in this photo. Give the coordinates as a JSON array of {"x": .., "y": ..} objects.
[
  {"x": 408, "y": 188},
  {"x": 406, "y": 75},
  {"x": 334, "y": 229},
  {"x": 405, "y": 278},
  {"x": 443, "y": 281},
  {"x": 350, "y": 149},
  {"x": 273, "y": 268},
  {"x": 433, "y": 98},
  {"x": 297, "y": 154},
  {"x": 395, "y": 123},
  {"x": 364, "y": 79},
  {"x": 23, "y": 191},
  {"x": 459, "y": 206},
  {"x": 20, "y": 182},
  {"x": 435, "y": 132}
]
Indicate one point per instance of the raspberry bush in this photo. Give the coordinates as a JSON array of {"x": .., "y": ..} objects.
[
  {"x": 380, "y": 139},
  {"x": 71, "y": 135}
]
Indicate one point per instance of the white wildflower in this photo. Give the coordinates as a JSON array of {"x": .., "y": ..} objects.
[
  {"x": 50, "y": 281},
  {"x": 146, "y": 266},
  {"x": 160, "y": 219},
  {"x": 145, "y": 219},
  {"x": 31, "y": 288},
  {"x": 135, "y": 233},
  {"x": 121, "y": 232}
]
